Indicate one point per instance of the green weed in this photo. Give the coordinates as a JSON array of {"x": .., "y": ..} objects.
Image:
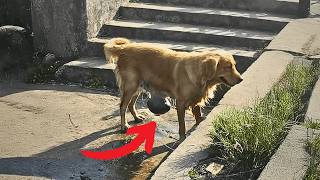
[
  {"x": 313, "y": 147},
  {"x": 248, "y": 137}
]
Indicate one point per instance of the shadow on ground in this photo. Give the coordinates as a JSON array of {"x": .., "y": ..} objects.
[{"x": 65, "y": 161}]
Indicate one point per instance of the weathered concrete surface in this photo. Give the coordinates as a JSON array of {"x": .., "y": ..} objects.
[
  {"x": 277, "y": 6},
  {"x": 316, "y": 57},
  {"x": 100, "y": 12},
  {"x": 63, "y": 27},
  {"x": 60, "y": 27},
  {"x": 88, "y": 70},
  {"x": 291, "y": 159},
  {"x": 16, "y": 12},
  {"x": 301, "y": 36},
  {"x": 187, "y": 33},
  {"x": 267, "y": 68},
  {"x": 313, "y": 112},
  {"x": 39, "y": 140},
  {"x": 15, "y": 48},
  {"x": 315, "y": 8},
  {"x": 231, "y": 18}
]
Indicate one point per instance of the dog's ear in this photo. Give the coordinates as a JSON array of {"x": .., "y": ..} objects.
[{"x": 209, "y": 68}]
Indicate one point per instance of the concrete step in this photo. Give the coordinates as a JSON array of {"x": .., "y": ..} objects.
[
  {"x": 275, "y": 6},
  {"x": 88, "y": 70},
  {"x": 204, "y": 16},
  {"x": 187, "y": 33},
  {"x": 95, "y": 48}
]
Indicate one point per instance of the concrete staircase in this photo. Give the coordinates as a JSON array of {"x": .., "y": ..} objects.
[{"x": 243, "y": 27}]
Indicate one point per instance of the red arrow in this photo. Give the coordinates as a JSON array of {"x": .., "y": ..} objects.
[{"x": 144, "y": 132}]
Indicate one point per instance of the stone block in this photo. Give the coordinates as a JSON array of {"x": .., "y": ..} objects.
[
  {"x": 88, "y": 70},
  {"x": 313, "y": 112},
  {"x": 301, "y": 37},
  {"x": 16, "y": 12},
  {"x": 291, "y": 159},
  {"x": 15, "y": 48},
  {"x": 63, "y": 27}
]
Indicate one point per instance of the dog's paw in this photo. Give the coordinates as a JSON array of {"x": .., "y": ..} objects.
[
  {"x": 182, "y": 137},
  {"x": 139, "y": 118},
  {"x": 199, "y": 120},
  {"x": 125, "y": 128}
]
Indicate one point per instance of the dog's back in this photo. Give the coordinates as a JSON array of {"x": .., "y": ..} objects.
[
  {"x": 122, "y": 46},
  {"x": 147, "y": 62}
]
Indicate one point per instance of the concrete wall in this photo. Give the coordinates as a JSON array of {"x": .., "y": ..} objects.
[
  {"x": 100, "y": 12},
  {"x": 63, "y": 27},
  {"x": 15, "y": 12}
]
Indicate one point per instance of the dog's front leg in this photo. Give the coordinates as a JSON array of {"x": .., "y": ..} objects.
[{"x": 181, "y": 108}]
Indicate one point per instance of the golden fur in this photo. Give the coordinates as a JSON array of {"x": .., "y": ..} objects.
[{"x": 189, "y": 77}]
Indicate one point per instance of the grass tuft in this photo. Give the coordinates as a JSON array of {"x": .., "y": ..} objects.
[
  {"x": 248, "y": 137},
  {"x": 193, "y": 174},
  {"x": 312, "y": 125},
  {"x": 313, "y": 147}
]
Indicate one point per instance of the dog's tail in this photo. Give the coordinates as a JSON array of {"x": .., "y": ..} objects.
[{"x": 114, "y": 48}]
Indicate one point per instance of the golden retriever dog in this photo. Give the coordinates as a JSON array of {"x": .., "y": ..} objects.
[{"x": 188, "y": 77}]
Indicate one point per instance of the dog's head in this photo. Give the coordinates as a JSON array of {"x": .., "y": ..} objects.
[{"x": 221, "y": 67}]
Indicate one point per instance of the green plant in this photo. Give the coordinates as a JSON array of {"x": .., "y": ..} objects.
[
  {"x": 248, "y": 137},
  {"x": 193, "y": 174},
  {"x": 313, "y": 147},
  {"x": 40, "y": 71},
  {"x": 94, "y": 82},
  {"x": 312, "y": 124}
]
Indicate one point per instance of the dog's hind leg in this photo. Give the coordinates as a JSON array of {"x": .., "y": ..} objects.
[
  {"x": 128, "y": 91},
  {"x": 137, "y": 117},
  {"x": 196, "y": 111}
]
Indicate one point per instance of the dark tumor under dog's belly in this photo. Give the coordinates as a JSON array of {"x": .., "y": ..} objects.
[{"x": 159, "y": 100}]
